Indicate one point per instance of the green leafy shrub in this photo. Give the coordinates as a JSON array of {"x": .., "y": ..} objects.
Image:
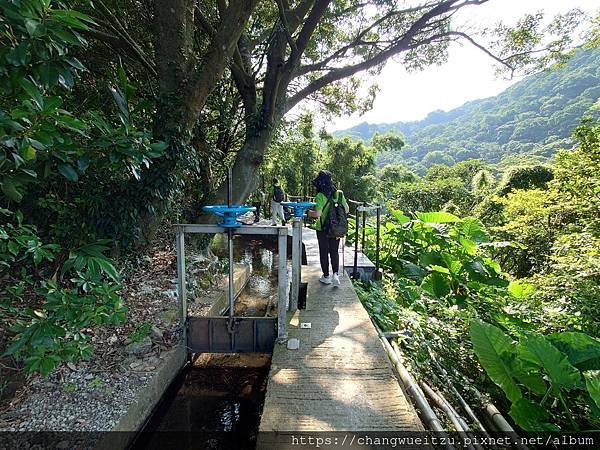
[
  {"x": 544, "y": 377},
  {"x": 531, "y": 218},
  {"x": 42, "y": 143},
  {"x": 19, "y": 242},
  {"x": 533, "y": 177},
  {"x": 141, "y": 332},
  {"x": 447, "y": 257},
  {"x": 442, "y": 282},
  {"x": 67, "y": 181},
  {"x": 52, "y": 331}
]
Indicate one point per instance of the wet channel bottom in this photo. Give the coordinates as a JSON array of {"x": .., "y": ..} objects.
[{"x": 211, "y": 407}]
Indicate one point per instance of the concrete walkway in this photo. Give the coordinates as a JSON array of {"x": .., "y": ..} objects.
[{"x": 340, "y": 378}]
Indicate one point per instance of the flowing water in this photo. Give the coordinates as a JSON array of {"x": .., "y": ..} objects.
[{"x": 260, "y": 293}]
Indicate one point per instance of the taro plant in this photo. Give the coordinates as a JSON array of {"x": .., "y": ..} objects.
[
  {"x": 442, "y": 282},
  {"x": 542, "y": 376},
  {"x": 449, "y": 258}
]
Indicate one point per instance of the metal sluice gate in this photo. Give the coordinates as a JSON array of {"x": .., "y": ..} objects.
[
  {"x": 250, "y": 335},
  {"x": 235, "y": 334}
]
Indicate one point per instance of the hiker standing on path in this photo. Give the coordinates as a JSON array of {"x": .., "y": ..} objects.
[
  {"x": 329, "y": 240},
  {"x": 276, "y": 196},
  {"x": 257, "y": 199}
]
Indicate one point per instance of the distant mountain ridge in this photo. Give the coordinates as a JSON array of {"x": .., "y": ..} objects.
[{"x": 535, "y": 116}]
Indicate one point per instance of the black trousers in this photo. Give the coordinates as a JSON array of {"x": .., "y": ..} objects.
[
  {"x": 328, "y": 248},
  {"x": 257, "y": 205}
]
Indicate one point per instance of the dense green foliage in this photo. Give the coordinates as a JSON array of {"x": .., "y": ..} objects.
[
  {"x": 535, "y": 116},
  {"x": 56, "y": 280},
  {"x": 445, "y": 283},
  {"x": 515, "y": 289},
  {"x": 298, "y": 154},
  {"x": 560, "y": 227},
  {"x": 560, "y": 369}
]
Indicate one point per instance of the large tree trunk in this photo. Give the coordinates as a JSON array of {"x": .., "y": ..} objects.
[
  {"x": 245, "y": 168},
  {"x": 173, "y": 32},
  {"x": 260, "y": 124},
  {"x": 185, "y": 83}
]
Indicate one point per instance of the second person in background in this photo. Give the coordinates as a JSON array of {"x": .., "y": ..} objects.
[
  {"x": 327, "y": 196},
  {"x": 276, "y": 196}
]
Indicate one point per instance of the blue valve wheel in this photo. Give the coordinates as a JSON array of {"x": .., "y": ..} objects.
[
  {"x": 228, "y": 213},
  {"x": 299, "y": 207}
]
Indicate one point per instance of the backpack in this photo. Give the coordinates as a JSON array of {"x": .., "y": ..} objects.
[
  {"x": 337, "y": 220},
  {"x": 278, "y": 194}
]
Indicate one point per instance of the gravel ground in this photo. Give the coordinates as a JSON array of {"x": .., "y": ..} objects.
[{"x": 82, "y": 401}]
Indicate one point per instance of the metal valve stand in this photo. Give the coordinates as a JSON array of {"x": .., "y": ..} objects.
[
  {"x": 299, "y": 212},
  {"x": 228, "y": 333},
  {"x": 229, "y": 213}
]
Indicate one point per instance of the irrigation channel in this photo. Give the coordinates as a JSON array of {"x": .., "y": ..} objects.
[{"x": 216, "y": 402}]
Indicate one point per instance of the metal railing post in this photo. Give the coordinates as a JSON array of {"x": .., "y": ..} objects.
[
  {"x": 181, "y": 283},
  {"x": 377, "y": 243},
  {"x": 364, "y": 223},
  {"x": 355, "y": 268},
  {"x": 282, "y": 284}
]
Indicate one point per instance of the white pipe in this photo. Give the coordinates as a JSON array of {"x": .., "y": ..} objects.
[
  {"x": 463, "y": 403},
  {"x": 428, "y": 415},
  {"x": 450, "y": 412}
]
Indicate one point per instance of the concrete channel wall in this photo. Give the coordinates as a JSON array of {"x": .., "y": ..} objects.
[{"x": 241, "y": 276}]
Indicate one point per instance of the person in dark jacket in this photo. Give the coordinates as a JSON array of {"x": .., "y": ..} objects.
[
  {"x": 276, "y": 196},
  {"x": 327, "y": 194}
]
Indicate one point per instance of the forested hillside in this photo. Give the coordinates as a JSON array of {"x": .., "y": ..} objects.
[{"x": 535, "y": 116}]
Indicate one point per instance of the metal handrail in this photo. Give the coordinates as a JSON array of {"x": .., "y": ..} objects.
[{"x": 363, "y": 206}]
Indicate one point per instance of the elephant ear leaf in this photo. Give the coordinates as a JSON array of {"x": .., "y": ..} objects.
[
  {"x": 540, "y": 351},
  {"x": 437, "y": 217},
  {"x": 592, "y": 382},
  {"x": 493, "y": 348},
  {"x": 583, "y": 351},
  {"x": 528, "y": 374},
  {"x": 436, "y": 285},
  {"x": 473, "y": 229},
  {"x": 530, "y": 416}
]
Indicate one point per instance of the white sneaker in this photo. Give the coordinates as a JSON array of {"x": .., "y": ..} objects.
[
  {"x": 325, "y": 280},
  {"x": 336, "y": 280}
]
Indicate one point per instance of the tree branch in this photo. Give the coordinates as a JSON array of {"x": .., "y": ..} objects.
[
  {"x": 116, "y": 42},
  {"x": 310, "y": 24},
  {"x": 244, "y": 82},
  {"x": 358, "y": 39},
  {"x": 124, "y": 35},
  {"x": 299, "y": 13},
  {"x": 286, "y": 27},
  {"x": 483, "y": 49},
  {"x": 218, "y": 54},
  {"x": 404, "y": 43},
  {"x": 204, "y": 23}
]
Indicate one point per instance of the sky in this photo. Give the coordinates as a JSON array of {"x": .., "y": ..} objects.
[{"x": 468, "y": 74}]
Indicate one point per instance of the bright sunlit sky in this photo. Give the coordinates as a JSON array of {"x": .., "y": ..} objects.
[{"x": 468, "y": 74}]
